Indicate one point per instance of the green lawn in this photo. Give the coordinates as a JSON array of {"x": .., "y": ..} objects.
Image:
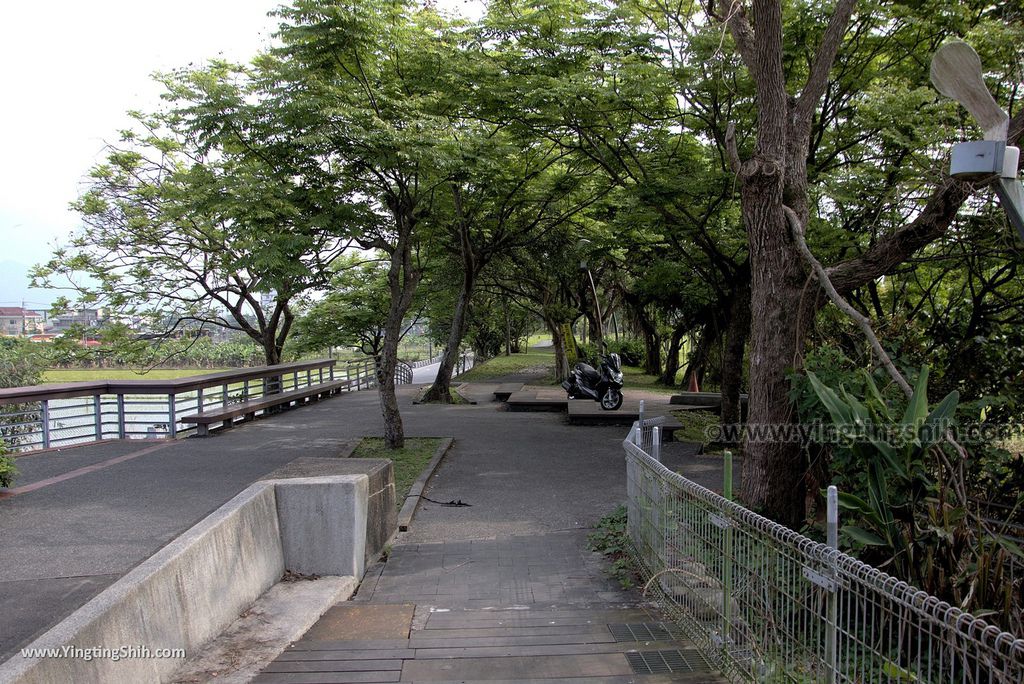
[
  {"x": 534, "y": 340},
  {"x": 408, "y": 462},
  {"x": 99, "y": 374},
  {"x": 500, "y": 366},
  {"x": 635, "y": 378}
]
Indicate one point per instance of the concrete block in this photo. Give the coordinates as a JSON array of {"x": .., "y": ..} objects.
[
  {"x": 382, "y": 511},
  {"x": 323, "y": 523}
]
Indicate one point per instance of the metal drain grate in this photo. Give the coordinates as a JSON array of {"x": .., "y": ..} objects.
[
  {"x": 666, "y": 662},
  {"x": 643, "y": 631}
]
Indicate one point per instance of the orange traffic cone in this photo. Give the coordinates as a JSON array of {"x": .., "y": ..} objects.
[{"x": 694, "y": 387}]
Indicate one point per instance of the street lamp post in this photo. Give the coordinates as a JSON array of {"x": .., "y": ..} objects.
[{"x": 584, "y": 266}]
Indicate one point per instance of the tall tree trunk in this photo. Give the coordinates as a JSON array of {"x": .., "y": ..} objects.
[
  {"x": 698, "y": 360},
  {"x": 736, "y": 335},
  {"x": 773, "y": 465},
  {"x": 508, "y": 330},
  {"x": 652, "y": 343},
  {"x": 403, "y": 279},
  {"x": 440, "y": 391},
  {"x": 558, "y": 341},
  {"x": 668, "y": 378}
]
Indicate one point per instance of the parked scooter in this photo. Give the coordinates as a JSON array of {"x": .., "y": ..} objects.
[{"x": 604, "y": 386}]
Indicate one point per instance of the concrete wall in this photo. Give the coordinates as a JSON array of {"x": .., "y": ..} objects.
[
  {"x": 192, "y": 589},
  {"x": 323, "y": 524},
  {"x": 382, "y": 512}
]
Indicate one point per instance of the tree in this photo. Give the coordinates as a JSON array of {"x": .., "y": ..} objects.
[
  {"x": 775, "y": 179},
  {"x": 509, "y": 194},
  {"x": 21, "y": 365},
  {"x": 195, "y": 219},
  {"x": 354, "y": 312},
  {"x": 359, "y": 79}
]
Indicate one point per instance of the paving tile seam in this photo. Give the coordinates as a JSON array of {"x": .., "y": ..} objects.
[{"x": 85, "y": 470}]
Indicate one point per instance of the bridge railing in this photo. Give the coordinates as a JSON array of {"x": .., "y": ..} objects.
[
  {"x": 56, "y": 415},
  {"x": 766, "y": 604}
]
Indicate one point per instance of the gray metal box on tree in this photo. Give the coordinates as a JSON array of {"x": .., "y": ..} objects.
[{"x": 977, "y": 159}]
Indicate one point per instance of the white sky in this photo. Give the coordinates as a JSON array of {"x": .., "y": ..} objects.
[{"x": 69, "y": 72}]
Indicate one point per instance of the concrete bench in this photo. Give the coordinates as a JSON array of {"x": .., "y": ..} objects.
[
  {"x": 248, "y": 409},
  {"x": 506, "y": 389}
]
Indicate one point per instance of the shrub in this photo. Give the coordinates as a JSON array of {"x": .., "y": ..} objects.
[
  {"x": 7, "y": 469},
  {"x": 631, "y": 352},
  {"x": 609, "y": 538}
]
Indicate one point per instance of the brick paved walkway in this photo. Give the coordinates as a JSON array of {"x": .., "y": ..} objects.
[{"x": 519, "y": 608}]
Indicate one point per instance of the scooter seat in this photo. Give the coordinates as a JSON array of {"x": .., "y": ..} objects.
[{"x": 588, "y": 372}]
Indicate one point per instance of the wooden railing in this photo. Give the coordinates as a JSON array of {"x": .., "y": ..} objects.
[{"x": 63, "y": 414}]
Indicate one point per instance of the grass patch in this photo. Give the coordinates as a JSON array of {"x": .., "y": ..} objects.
[
  {"x": 100, "y": 374},
  {"x": 408, "y": 462},
  {"x": 695, "y": 425},
  {"x": 500, "y": 366},
  {"x": 536, "y": 339},
  {"x": 635, "y": 378}
]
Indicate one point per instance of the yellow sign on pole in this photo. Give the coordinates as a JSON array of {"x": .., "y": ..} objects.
[{"x": 570, "y": 344}]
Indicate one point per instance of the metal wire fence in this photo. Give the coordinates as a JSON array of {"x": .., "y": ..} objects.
[{"x": 766, "y": 604}]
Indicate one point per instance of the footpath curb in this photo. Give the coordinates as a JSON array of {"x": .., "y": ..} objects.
[{"x": 412, "y": 499}]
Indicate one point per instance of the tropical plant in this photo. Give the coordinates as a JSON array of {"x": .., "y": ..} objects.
[{"x": 910, "y": 516}]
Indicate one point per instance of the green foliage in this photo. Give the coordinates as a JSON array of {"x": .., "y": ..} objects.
[
  {"x": 695, "y": 426},
  {"x": 610, "y": 539},
  {"x": 353, "y": 314},
  {"x": 21, "y": 365},
  {"x": 7, "y": 469},
  {"x": 899, "y": 512},
  {"x": 630, "y": 351}
]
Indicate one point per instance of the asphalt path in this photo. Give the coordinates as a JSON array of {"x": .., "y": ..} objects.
[{"x": 521, "y": 473}]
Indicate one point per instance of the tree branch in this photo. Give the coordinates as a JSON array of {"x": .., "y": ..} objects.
[{"x": 817, "y": 81}]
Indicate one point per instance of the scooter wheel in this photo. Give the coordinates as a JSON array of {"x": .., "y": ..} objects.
[{"x": 612, "y": 400}]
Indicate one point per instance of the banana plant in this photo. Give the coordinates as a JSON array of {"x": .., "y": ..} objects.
[{"x": 894, "y": 450}]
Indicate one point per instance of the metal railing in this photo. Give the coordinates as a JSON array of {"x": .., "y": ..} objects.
[{"x": 766, "y": 604}]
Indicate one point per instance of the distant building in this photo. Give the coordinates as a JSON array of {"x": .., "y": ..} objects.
[
  {"x": 85, "y": 318},
  {"x": 18, "y": 322}
]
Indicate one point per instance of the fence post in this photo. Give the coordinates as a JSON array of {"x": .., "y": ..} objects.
[
  {"x": 640, "y": 423},
  {"x": 199, "y": 396},
  {"x": 832, "y": 599},
  {"x": 172, "y": 415},
  {"x": 97, "y": 407},
  {"x": 727, "y": 560},
  {"x": 224, "y": 394},
  {"x": 46, "y": 422},
  {"x": 638, "y": 438},
  {"x": 656, "y": 444},
  {"x": 122, "y": 432}
]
